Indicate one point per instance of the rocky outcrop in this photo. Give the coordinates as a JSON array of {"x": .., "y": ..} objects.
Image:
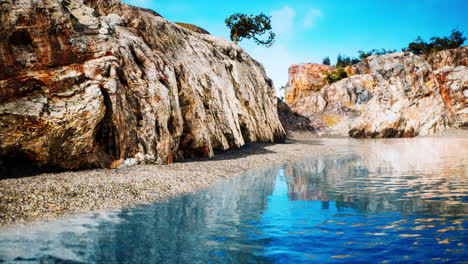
[
  {"x": 332, "y": 108},
  {"x": 98, "y": 83},
  {"x": 406, "y": 100},
  {"x": 291, "y": 120},
  {"x": 451, "y": 57},
  {"x": 395, "y": 95},
  {"x": 453, "y": 84},
  {"x": 304, "y": 80}
]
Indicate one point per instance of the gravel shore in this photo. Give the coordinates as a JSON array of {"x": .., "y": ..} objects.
[{"x": 47, "y": 196}]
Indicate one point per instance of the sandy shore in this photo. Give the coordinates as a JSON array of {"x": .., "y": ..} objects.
[{"x": 48, "y": 196}]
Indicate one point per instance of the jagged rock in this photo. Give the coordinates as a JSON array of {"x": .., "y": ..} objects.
[
  {"x": 453, "y": 83},
  {"x": 406, "y": 100},
  {"x": 395, "y": 95},
  {"x": 99, "y": 82},
  {"x": 305, "y": 79},
  {"x": 451, "y": 57},
  {"x": 291, "y": 120},
  {"x": 331, "y": 109}
]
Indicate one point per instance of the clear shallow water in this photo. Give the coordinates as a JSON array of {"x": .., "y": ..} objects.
[{"x": 399, "y": 201}]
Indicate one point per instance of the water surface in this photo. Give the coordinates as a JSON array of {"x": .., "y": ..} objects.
[{"x": 386, "y": 201}]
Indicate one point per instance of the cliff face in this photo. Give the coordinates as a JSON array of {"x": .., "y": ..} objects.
[
  {"x": 395, "y": 95},
  {"x": 304, "y": 80},
  {"x": 96, "y": 83}
]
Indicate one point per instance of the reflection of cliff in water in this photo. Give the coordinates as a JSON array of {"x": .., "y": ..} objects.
[
  {"x": 425, "y": 175},
  {"x": 176, "y": 231}
]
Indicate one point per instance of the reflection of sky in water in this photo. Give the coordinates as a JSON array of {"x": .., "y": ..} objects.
[{"x": 399, "y": 201}]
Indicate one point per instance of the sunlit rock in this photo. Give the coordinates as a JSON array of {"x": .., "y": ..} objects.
[
  {"x": 305, "y": 79},
  {"x": 88, "y": 84}
]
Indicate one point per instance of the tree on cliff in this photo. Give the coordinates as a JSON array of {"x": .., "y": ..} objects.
[
  {"x": 326, "y": 61},
  {"x": 419, "y": 46},
  {"x": 244, "y": 26}
]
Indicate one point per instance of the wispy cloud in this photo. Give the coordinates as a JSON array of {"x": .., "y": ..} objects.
[
  {"x": 311, "y": 18},
  {"x": 283, "y": 21}
]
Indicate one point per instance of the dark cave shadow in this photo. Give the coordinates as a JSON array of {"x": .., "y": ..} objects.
[{"x": 19, "y": 166}]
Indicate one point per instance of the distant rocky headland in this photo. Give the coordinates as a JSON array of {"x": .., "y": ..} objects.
[
  {"x": 99, "y": 83},
  {"x": 394, "y": 95}
]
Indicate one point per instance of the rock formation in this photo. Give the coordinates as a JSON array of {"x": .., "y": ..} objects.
[
  {"x": 451, "y": 57},
  {"x": 291, "y": 120},
  {"x": 395, "y": 95},
  {"x": 305, "y": 79},
  {"x": 99, "y": 83}
]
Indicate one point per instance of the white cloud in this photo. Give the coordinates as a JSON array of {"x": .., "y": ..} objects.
[
  {"x": 311, "y": 18},
  {"x": 282, "y": 21}
]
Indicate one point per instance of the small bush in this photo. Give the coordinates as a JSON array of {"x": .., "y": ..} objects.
[
  {"x": 343, "y": 61},
  {"x": 364, "y": 54},
  {"x": 326, "y": 61},
  {"x": 336, "y": 75}
]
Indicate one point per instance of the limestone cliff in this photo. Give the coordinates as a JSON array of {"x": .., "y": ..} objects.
[
  {"x": 304, "y": 80},
  {"x": 95, "y": 83},
  {"x": 395, "y": 95}
]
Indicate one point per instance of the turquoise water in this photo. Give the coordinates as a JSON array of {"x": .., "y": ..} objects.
[{"x": 374, "y": 202}]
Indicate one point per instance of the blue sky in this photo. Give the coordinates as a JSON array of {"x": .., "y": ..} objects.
[{"x": 309, "y": 30}]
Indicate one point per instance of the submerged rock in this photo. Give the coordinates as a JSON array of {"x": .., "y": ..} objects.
[{"x": 92, "y": 83}]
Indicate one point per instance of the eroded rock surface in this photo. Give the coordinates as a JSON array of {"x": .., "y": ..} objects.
[
  {"x": 395, "y": 95},
  {"x": 96, "y": 83},
  {"x": 406, "y": 100},
  {"x": 305, "y": 79},
  {"x": 453, "y": 83},
  {"x": 334, "y": 106},
  {"x": 451, "y": 57}
]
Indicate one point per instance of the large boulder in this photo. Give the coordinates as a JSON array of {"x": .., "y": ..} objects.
[
  {"x": 305, "y": 79},
  {"x": 96, "y": 83}
]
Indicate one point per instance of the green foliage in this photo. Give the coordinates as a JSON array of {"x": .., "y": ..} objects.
[
  {"x": 250, "y": 27},
  {"x": 364, "y": 54},
  {"x": 419, "y": 46},
  {"x": 344, "y": 61},
  {"x": 336, "y": 75},
  {"x": 326, "y": 61}
]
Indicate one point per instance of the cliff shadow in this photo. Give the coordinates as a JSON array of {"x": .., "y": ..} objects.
[{"x": 250, "y": 149}]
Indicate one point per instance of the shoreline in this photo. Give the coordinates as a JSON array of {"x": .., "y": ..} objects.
[{"x": 50, "y": 196}]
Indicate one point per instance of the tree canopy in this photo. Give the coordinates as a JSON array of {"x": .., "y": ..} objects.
[
  {"x": 251, "y": 27},
  {"x": 419, "y": 46}
]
